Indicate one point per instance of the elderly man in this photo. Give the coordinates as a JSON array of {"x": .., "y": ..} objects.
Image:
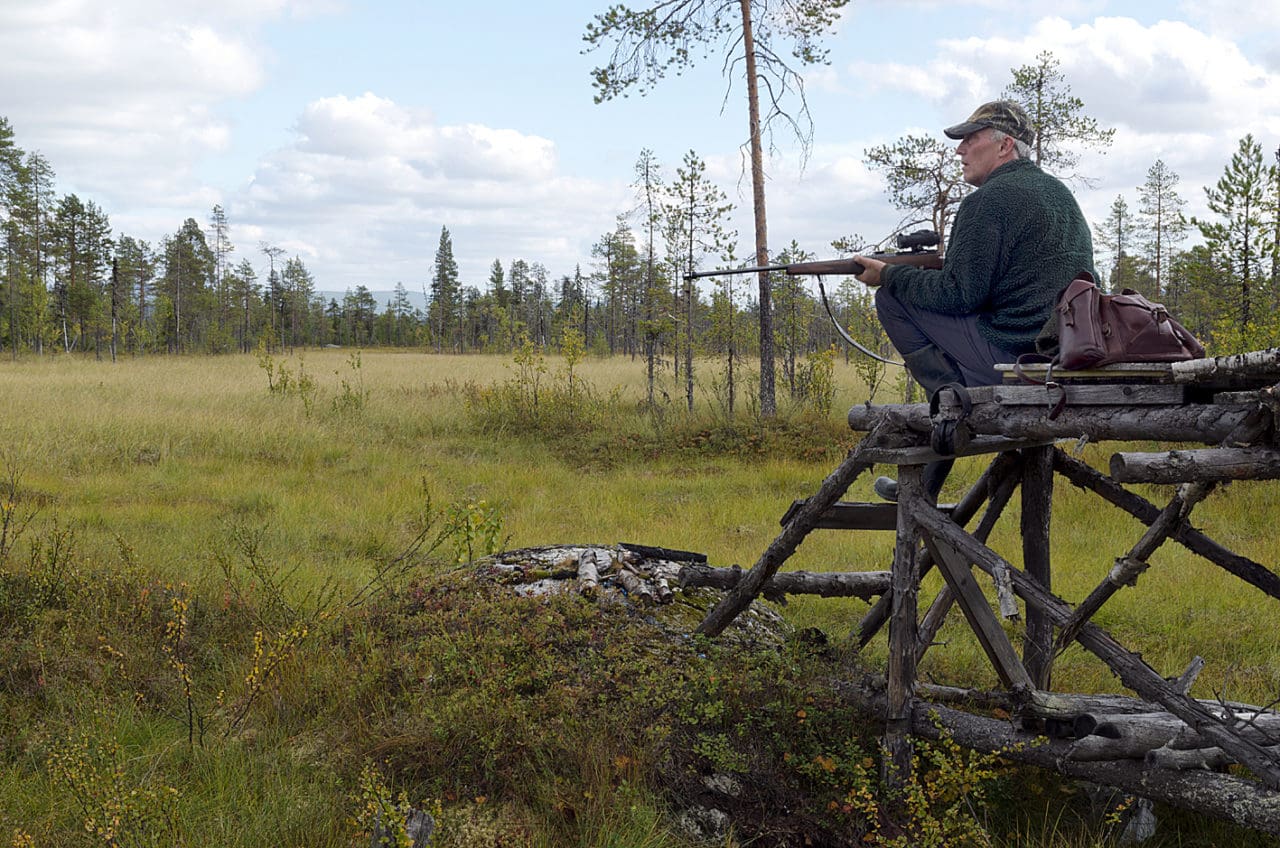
[{"x": 1017, "y": 241}]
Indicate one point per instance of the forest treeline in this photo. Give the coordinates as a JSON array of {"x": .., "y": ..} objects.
[{"x": 70, "y": 283}]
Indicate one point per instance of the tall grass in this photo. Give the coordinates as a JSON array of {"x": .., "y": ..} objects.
[{"x": 158, "y": 478}]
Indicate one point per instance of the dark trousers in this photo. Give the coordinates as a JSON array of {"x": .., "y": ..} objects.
[{"x": 912, "y": 329}]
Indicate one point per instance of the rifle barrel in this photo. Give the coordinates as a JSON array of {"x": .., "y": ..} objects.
[
  {"x": 755, "y": 269},
  {"x": 837, "y": 267}
]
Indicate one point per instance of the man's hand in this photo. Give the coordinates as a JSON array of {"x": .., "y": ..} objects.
[{"x": 871, "y": 275}]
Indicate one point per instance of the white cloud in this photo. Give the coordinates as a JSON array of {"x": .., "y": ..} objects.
[
  {"x": 368, "y": 185},
  {"x": 122, "y": 98},
  {"x": 1170, "y": 90}
]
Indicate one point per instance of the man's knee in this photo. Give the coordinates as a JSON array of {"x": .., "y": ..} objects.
[{"x": 887, "y": 303}]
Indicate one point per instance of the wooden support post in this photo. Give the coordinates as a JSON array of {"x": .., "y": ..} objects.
[
  {"x": 1083, "y": 475},
  {"x": 1128, "y": 666},
  {"x": 912, "y": 499},
  {"x": 1002, "y": 468},
  {"x": 1037, "y": 501},
  {"x": 1001, "y": 491},
  {"x": 959, "y": 576}
]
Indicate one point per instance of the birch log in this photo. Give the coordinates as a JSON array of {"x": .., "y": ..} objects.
[{"x": 1205, "y": 423}]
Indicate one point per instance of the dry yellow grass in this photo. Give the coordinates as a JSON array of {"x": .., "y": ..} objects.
[{"x": 171, "y": 455}]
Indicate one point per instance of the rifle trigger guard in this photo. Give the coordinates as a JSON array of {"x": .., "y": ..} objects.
[{"x": 947, "y": 436}]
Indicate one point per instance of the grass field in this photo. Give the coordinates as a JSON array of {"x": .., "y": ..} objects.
[{"x": 187, "y": 468}]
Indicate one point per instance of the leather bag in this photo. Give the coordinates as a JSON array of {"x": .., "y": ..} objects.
[{"x": 1099, "y": 329}]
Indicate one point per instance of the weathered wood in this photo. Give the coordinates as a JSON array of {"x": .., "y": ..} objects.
[
  {"x": 973, "y": 604},
  {"x": 850, "y": 516},
  {"x": 834, "y": 584},
  {"x": 1205, "y": 423},
  {"x": 1071, "y": 705},
  {"x": 1241, "y": 801},
  {"x": 1188, "y": 677},
  {"x": 974, "y": 446},
  {"x": 1083, "y": 475},
  {"x": 1195, "y": 759},
  {"x": 1037, "y": 502},
  {"x": 1003, "y": 481},
  {"x": 589, "y": 569},
  {"x": 1150, "y": 372},
  {"x": 1092, "y": 395},
  {"x": 1133, "y": 735},
  {"x": 785, "y": 544},
  {"x": 1128, "y": 666},
  {"x": 1003, "y": 467},
  {"x": 1123, "y": 737},
  {"x": 896, "y": 769},
  {"x": 1238, "y": 800},
  {"x": 669, "y": 554},
  {"x": 1129, "y": 567},
  {"x": 1238, "y": 369},
  {"x": 1212, "y": 464}
]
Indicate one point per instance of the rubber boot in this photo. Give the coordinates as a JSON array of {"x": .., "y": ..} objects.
[{"x": 932, "y": 369}]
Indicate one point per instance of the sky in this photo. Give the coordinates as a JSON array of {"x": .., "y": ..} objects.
[{"x": 350, "y": 133}]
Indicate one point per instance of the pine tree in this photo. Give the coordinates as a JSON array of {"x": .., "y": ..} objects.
[
  {"x": 220, "y": 233},
  {"x": 443, "y": 309},
  {"x": 1116, "y": 236},
  {"x": 1056, "y": 115},
  {"x": 924, "y": 178},
  {"x": 1161, "y": 225},
  {"x": 673, "y": 33},
  {"x": 649, "y": 189},
  {"x": 1241, "y": 235},
  {"x": 695, "y": 212}
]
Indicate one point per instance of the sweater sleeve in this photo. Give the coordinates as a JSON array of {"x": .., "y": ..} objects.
[{"x": 966, "y": 281}]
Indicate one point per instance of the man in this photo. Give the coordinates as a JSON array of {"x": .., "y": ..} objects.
[{"x": 1017, "y": 241}]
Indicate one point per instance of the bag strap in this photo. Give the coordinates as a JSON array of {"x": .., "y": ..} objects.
[{"x": 1051, "y": 386}]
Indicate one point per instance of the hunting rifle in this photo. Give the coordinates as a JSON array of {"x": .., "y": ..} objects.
[{"x": 918, "y": 249}]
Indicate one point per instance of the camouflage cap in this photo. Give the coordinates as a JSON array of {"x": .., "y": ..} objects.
[{"x": 1003, "y": 115}]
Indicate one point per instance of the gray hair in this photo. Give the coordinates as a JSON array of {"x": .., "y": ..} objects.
[{"x": 1020, "y": 147}]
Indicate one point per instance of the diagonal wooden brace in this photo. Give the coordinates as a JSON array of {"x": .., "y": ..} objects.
[
  {"x": 1128, "y": 666},
  {"x": 1085, "y": 476},
  {"x": 1129, "y": 567},
  {"x": 804, "y": 520}
]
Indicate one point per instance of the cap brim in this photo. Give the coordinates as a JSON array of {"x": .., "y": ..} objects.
[{"x": 962, "y": 130}]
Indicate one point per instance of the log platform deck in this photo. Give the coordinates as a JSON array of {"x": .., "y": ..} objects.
[{"x": 1161, "y": 743}]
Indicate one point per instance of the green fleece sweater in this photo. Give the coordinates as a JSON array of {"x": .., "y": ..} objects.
[{"x": 1017, "y": 241}]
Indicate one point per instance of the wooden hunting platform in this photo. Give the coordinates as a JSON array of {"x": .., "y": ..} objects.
[{"x": 1220, "y": 415}]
